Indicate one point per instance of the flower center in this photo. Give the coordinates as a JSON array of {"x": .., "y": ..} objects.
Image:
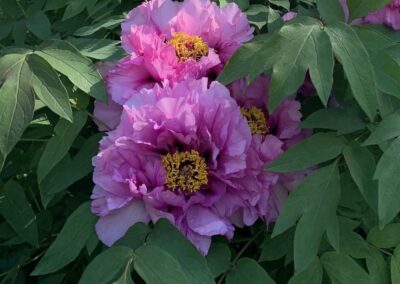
[
  {"x": 185, "y": 171},
  {"x": 256, "y": 120},
  {"x": 187, "y": 46}
]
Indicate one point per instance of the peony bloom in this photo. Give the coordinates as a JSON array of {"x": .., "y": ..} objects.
[
  {"x": 185, "y": 153},
  {"x": 175, "y": 41},
  {"x": 272, "y": 134},
  {"x": 389, "y": 15}
]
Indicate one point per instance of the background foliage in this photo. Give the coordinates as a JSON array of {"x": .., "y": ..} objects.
[{"x": 341, "y": 225}]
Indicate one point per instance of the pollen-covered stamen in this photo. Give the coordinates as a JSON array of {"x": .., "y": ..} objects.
[
  {"x": 188, "y": 47},
  {"x": 256, "y": 119},
  {"x": 186, "y": 171}
]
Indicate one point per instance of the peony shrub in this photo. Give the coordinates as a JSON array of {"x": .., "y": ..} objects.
[{"x": 199, "y": 141}]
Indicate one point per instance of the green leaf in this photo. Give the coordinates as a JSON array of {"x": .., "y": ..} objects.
[
  {"x": 344, "y": 270},
  {"x": 330, "y": 10},
  {"x": 74, "y": 8},
  {"x": 68, "y": 170},
  {"x": 109, "y": 23},
  {"x": 96, "y": 48},
  {"x": 395, "y": 266},
  {"x": 373, "y": 39},
  {"x": 388, "y": 128},
  {"x": 361, "y": 8},
  {"x": 16, "y": 101},
  {"x": 58, "y": 146},
  {"x": 135, "y": 236},
  {"x": 387, "y": 72},
  {"x": 278, "y": 247},
  {"x": 314, "y": 203},
  {"x": 39, "y": 25},
  {"x": 306, "y": 46},
  {"x": 361, "y": 164},
  {"x": 246, "y": 60},
  {"x": 343, "y": 120},
  {"x": 48, "y": 87},
  {"x": 387, "y": 173},
  {"x": 66, "y": 59},
  {"x": 17, "y": 211},
  {"x": 304, "y": 154},
  {"x": 356, "y": 64},
  {"x": 257, "y": 15},
  {"x": 281, "y": 3},
  {"x": 126, "y": 276},
  {"x": 218, "y": 259},
  {"x": 69, "y": 242},
  {"x": 156, "y": 266},
  {"x": 351, "y": 243},
  {"x": 55, "y": 4},
  {"x": 377, "y": 267},
  {"x": 312, "y": 275},
  {"x": 108, "y": 266},
  {"x": 169, "y": 239},
  {"x": 388, "y": 237},
  {"x": 247, "y": 270}
]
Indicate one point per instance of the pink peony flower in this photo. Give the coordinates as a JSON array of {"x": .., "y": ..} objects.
[
  {"x": 388, "y": 15},
  {"x": 175, "y": 41},
  {"x": 184, "y": 153},
  {"x": 272, "y": 134}
]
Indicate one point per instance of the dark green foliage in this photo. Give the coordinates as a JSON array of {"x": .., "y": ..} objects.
[{"x": 340, "y": 225}]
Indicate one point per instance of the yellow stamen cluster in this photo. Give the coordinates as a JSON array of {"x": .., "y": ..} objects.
[
  {"x": 186, "y": 171},
  {"x": 188, "y": 47},
  {"x": 256, "y": 120}
]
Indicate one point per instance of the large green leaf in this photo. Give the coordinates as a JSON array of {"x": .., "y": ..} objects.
[
  {"x": 344, "y": 270},
  {"x": 39, "y": 25},
  {"x": 247, "y": 270},
  {"x": 68, "y": 170},
  {"x": 357, "y": 65},
  {"x": 135, "y": 236},
  {"x": 330, "y": 10},
  {"x": 306, "y": 47},
  {"x": 108, "y": 266},
  {"x": 246, "y": 60},
  {"x": 218, "y": 258},
  {"x": 361, "y": 164},
  {"x": 343, "y": 120},
  {"x": 319, "y": 148},
  {"x": 314, "y": 203},
  {"x": 388, "y": 128},
  {"x": 168, "y": 238},
  {"x": 58, "y": 146},
  {"x": 312, "y": 275},
  {"x": 156, "y": 266},
  {"x": 387, "y": 173},
  {"x": 388, "y": 237},
  {"x": 395, "y": 266},
  {"x": 69, "y": 242},
  {"x": 108, "y": 23},
  {"x": 18, "y": 213},
  {"x": 67, "y": 60},
  {"x": 96, "y": 48},
  {"x": 16, "y": 101},
  {"x": 361, "y": 8},
  {"x": 387, "y": 72},
  {"x": 48, "y": 87}
]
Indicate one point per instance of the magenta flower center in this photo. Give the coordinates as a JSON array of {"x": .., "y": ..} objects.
[
  {"x": 256, "y": 119},
  {"x": 186, "y": 171},
  {"x": 188, "y": 47}
]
